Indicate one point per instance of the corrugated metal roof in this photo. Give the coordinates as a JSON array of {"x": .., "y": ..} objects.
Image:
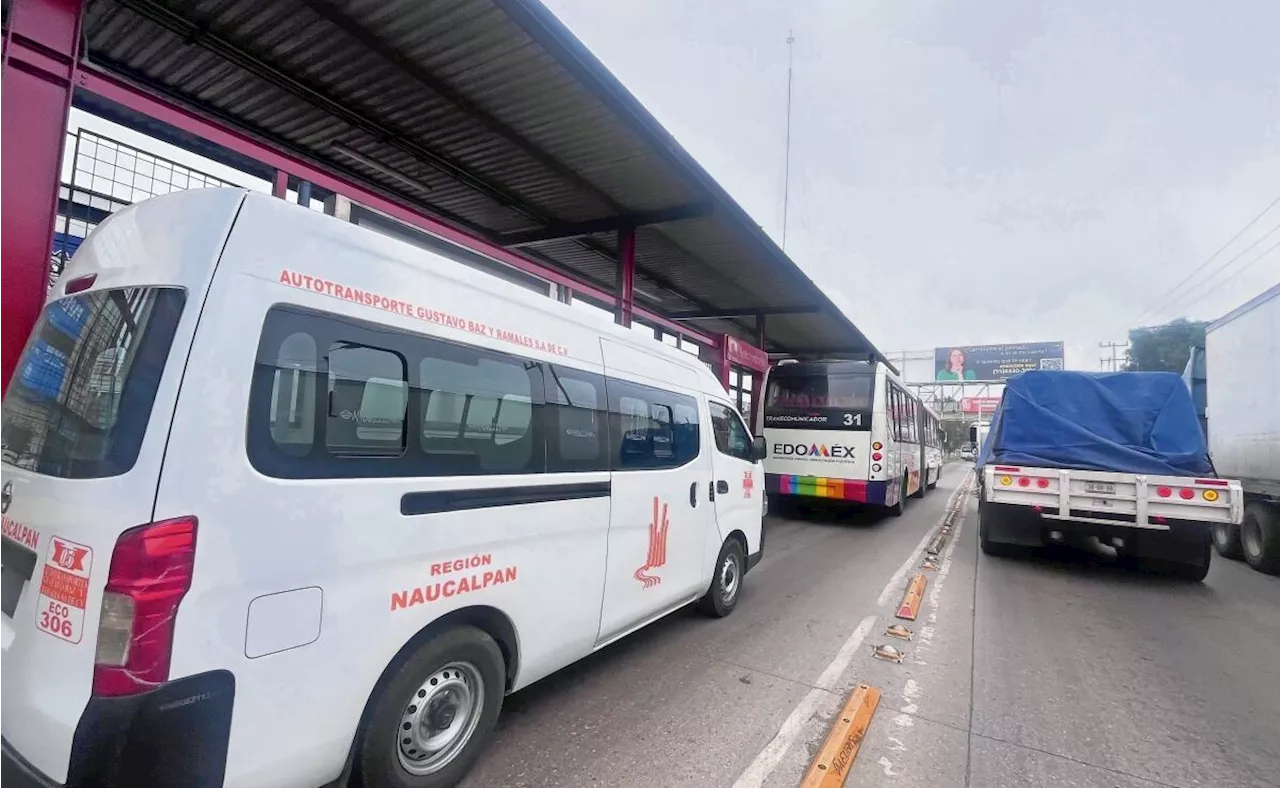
[{"x": 486, "y": 113}]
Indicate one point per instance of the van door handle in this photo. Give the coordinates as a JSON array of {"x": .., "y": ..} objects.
[
  {"x": 722, "y": 487},
  {"x": 711, "y": 491},
  {"x": 693, "y": 495}
]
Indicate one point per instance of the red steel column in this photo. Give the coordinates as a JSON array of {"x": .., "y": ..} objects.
[
  {"x": 626, "y": 278},
  {"x": 280, "y": 186},
  {"x": 41, "y": 50},
  {"x": 757, "y": 381}
]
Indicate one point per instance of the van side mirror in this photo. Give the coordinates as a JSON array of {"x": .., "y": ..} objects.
[{"x": 759, "y": 449}]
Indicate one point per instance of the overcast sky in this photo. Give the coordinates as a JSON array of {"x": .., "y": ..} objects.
[{"x": 1010, "y": 170}]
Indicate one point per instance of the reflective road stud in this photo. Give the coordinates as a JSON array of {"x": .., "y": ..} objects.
[
  {"x": 832, "y": 764},
  {"x": 911, "y": 600}
]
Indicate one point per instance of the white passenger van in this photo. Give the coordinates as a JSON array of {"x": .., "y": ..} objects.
[{"x": 290, "y": 503}]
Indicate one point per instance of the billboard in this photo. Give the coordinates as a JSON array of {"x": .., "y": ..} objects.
[
  {"x": 979, "y": 404},
  {"x": 994, "y": 362}
]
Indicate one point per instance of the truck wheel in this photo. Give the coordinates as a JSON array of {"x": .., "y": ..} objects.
[
  {"x": 726, "y": 583},
  {"x": 988, "y": 515},
  {"x": 1226, "y": 540},
  {"x": 434, "y": 714},
  {"x": 1260, "y": 537}
]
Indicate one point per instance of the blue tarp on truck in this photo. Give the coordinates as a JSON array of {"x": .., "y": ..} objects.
[{"x": 1123, "y": 422}]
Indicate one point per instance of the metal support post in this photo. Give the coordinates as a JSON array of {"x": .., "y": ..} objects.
[{"x": 41, "y": 53}]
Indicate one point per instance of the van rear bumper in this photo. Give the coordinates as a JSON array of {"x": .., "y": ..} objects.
[
  {"x": 15, "y": 772},
  {"x": 176, "y": 735}
]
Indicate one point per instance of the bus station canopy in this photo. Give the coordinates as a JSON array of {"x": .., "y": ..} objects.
[{"x": 488, "y": 114}]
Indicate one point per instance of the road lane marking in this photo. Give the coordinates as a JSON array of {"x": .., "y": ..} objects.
[
  {"x": 769, "y": 758},
  {"x": 835, "y": 758},
  {"x": 793, "y": 726},
  {"x": 895, "y": 582}
]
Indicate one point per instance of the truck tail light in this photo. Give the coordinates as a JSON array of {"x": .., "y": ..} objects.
[
  {"x": 151, "y": 569},
  {"x": 1210, "y": 495},
  {"x": 1042, "y": 483},
  {"x": 1164, "y": 492},
  {"x": 1214, "y": 482},
  {"x": 1186, "y": 493}
]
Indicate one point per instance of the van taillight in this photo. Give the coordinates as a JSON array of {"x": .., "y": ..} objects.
[{"x": 150, "y": 572}]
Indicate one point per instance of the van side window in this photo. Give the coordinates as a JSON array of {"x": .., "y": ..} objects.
[
  {"x": 477, "y": 412},
  {"x": 651, "y": 428},
  {"x": 337, "y": 397},
  {"x": 368, "y": 392},
  {"x": 293, "y": 395},
  {"x": 576, "y": 419},
  {"x": 732, "y": 437}
]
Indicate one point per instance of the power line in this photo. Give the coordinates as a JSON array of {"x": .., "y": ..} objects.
[
  {"x": 1111, "y": 364},
  {"x": 1195, "y": 295},
  {"x": 1238, "y": 271},
  {"x": 1159, "y": 302}
]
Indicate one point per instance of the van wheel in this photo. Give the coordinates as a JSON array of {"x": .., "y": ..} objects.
[
  {"x": 434, "y": 716},
  {"x": 1260, "y": 537},
  {"x": 1226, "y": 540},
  {"x": 726, "y": 583}
]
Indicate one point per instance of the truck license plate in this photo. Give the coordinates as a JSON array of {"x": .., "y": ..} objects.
[{"x": 1103, "y": 488}]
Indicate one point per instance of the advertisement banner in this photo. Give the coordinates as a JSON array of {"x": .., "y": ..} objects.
[
  {"x": 994, "y": 362},
  {"x": 979, "y": 404}
]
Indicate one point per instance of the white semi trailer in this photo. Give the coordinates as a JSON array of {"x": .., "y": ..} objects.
[{"x": 1242, "y": 371}]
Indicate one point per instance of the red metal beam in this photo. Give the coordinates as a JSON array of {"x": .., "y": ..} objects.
[
  {"x": 626, "y": 276},
  {"x": 126, "y": 94},
  {"x": 41, "y": 50}
]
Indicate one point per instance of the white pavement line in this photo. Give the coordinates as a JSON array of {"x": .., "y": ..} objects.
[
  {"x": 892, "y": 589},
  {"x": 769, "y": 758}
]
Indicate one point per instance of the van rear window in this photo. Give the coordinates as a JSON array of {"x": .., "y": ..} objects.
[{"x": 81, "y": 396}]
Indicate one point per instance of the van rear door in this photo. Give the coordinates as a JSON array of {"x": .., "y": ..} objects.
[
  {"x": 75, "y": 415},
  {"x": 85, "y": 420}
]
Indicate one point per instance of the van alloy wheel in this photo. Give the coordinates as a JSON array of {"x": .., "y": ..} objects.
[{"x": 439, "y": 718}]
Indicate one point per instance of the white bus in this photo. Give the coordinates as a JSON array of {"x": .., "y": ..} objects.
[
  {"x": 931, "y": 440},
  {"x": 842, "y": 430},
  {"x": 290, "y": 503}
]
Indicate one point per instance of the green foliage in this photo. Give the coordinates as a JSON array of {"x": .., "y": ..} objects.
[{"x": 1164, "y": 348}]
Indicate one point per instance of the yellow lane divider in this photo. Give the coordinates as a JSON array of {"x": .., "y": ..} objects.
[
  {"x": 831, "y": 765},
  {"x": 911, "y": 600}
]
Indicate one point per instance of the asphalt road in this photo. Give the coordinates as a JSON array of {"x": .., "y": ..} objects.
[{"x": 1052, "y": 670}]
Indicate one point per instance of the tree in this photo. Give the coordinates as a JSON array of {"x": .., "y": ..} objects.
[{"x": 1164, "y": 348}]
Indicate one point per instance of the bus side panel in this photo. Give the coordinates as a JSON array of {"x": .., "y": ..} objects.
[{"x": 305, "y": 589}]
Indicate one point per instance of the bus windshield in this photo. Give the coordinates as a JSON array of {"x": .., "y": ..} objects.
[{"x": 844, "y": 391}]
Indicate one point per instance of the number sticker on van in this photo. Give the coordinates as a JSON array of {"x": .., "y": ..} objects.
[{"x": 64, "y": 590}]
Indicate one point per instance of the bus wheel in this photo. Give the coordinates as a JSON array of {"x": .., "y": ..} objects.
[
  {"x": 434, "y": 716},
  {"x": 726, "y": 583},
  {"x": 924, "y": 477},
  {"x": 901, "y": 506}
]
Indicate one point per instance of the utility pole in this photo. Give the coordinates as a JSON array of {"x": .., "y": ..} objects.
[
  {"x": 1111, "y": 364},
  {"x": 786, "y": 167}
]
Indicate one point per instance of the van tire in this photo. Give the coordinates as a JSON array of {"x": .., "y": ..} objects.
[
  {"x": 1226, "y": 540},
  {"x": 379, "y": 759},
  {"x": 726, "y": 581},
  {"x": 1260, "y": 537}
]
